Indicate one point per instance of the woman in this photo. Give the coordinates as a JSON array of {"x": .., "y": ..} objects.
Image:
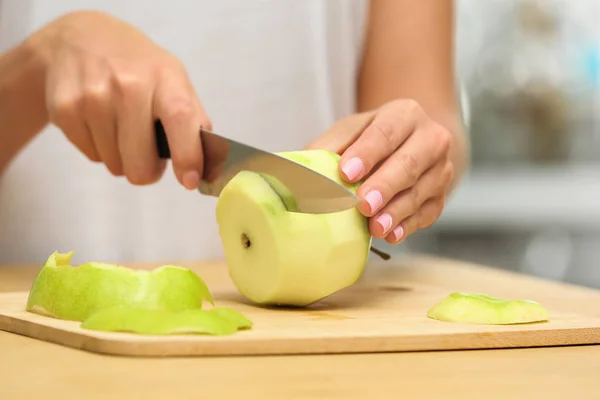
[{"x": 373, "y": 81}]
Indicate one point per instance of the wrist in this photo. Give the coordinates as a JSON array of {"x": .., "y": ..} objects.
[
  {"x": 460, "y": 145},
  {"x": 29, "y": 84},
  {"x": 22, "y": 95}
]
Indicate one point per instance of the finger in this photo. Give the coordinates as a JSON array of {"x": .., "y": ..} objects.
[
  {"x": 135, "y": 132},
  {"x": 423, "y": 149},
  {"x": 434, "y": 183},
  {"x": 425, "y": 217},
  {"x": 215, "y": 157},
  {"x": 64, "y": 103},
  {"x": 182, "y": 115},
  {"x": 343, "y": 133},
  {"x": 99, "y": 111},
  {"x": 392, "y": 125}
]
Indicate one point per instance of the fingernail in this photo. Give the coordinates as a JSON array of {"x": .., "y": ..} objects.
[
  {"x": 353, "y": 168},
  {"x": 385, "y": 220},
  {"x": 191, "y": 180},
  {"x": 398, "y": 232},
  {"x": 374, "y": 199}
]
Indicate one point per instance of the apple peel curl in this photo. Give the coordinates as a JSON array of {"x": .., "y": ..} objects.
[
  {"x": 476, "y": 308},
  {"x": 108, "y": 297}
]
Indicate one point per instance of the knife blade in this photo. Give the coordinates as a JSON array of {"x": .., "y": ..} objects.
[{"x": 312, "y": 192}]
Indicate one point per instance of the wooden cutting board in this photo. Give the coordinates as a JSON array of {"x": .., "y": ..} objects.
[{"x": 385, "y": 311}]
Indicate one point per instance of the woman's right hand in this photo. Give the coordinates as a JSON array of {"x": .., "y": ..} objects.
[{"x": 106, "y": 85}]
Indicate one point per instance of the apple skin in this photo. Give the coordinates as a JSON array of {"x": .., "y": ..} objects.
[
  {"x": 216, "y": 321},
  {"x": 276, "y": 256},
  {"x": 476, "y": 308},
  {"x": 75, "y": 293}
]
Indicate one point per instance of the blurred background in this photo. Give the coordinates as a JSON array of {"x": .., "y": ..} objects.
[
  {"x": 530, "y": 70},
  {"x": 530, "y": 73}
]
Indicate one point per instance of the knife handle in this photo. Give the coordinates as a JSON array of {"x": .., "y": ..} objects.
[{"x": 161, "y": 141}]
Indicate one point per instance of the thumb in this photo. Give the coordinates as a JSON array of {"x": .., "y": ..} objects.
[{"x": 342, "y": 133}]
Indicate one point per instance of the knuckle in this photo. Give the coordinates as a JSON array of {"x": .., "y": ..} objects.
[
  {"x": 427, "y": 222},
  {"x": 387, "y": 190},
  {"x": 414, "y": 197},
  {"x": 385, "y": 130},
  {"x": 186, "y": 157},
  {"x": 128, "y": 84},
  {"x": 407, "y": 110},
  {"x": 184, "y": 162},
  {"x": 411, "y": 107},
  {"x": 438, "y": 207},
  {"x": 444, "y": 139},
  {"x": 97, "y": 92},
  {"x": 180, "y": 108},
  {"x": 397, "y": 106},
  {"x": 168, "y": 64},
  {"x": 415, "y": 223},
  {"x": 63, "y": 109},
  {"x": 410, "y": 167},
  {"x": 448, "y": 172}
]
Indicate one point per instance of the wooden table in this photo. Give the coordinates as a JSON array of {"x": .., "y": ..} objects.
[{"x": 31, "y": 369}]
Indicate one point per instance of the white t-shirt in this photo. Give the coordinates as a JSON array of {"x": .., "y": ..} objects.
[{"x": 273, "y": 74}]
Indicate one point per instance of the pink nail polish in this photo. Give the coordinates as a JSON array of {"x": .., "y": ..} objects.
[
  {"x": 398, "y": 232},
  {"x": 375, "y": 200},
  {"x": 385, "y": 220},
  {"x": 353, "y": 168}
]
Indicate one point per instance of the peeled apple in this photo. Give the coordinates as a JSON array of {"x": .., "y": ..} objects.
[
  {"x": 278, "y": 256},
  {"x": 478, "y": 308}
]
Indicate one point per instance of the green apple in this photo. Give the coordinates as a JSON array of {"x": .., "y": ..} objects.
[
  {"x": 478, "y": 308},
  {"x": 74, "y": 293},
  {"x": 276, "y": 256},
  {"x": 216, "y": 321}
]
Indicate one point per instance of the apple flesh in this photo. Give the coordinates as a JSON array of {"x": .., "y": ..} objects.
[
  {"x": 276, "y": 256},
  {"x": 478, "y": 308},
  {"x": 74, "y": 293}
]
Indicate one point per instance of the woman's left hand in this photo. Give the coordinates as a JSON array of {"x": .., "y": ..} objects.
[{"x": 403, "y": 157}]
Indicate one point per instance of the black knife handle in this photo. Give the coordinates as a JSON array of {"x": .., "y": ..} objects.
[
  {"x": 215, "y": 151},
  {"x": 161, "y": 141}
]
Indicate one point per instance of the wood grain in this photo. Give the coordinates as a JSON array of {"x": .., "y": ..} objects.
[
  {"x": 36, "y": 369},
  {"x": 384, "y": 312}
]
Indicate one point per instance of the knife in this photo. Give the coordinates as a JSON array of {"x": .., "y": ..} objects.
[{"x": 312, "y": 192}]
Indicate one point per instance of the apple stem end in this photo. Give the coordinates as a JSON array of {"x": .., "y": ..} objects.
[
  {"x": 380, "y": 253},
  {"x": 246, "y": 241}
]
